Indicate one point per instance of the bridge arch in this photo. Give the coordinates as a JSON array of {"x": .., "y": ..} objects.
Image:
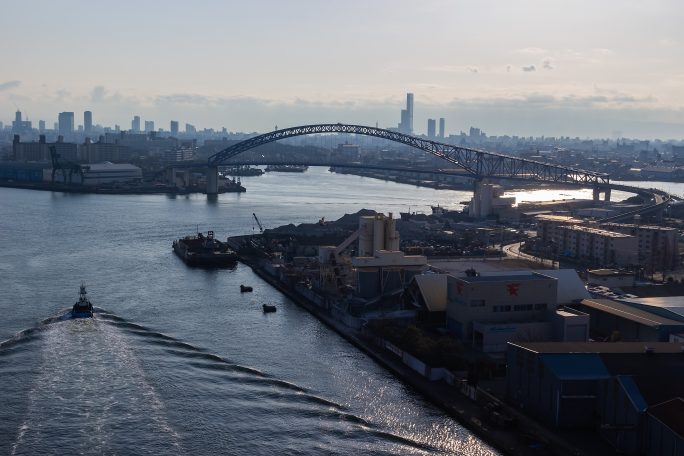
[{"x": 478, "y": 163}]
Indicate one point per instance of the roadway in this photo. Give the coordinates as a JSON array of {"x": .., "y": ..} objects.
[{"x": 513, "y": 251}]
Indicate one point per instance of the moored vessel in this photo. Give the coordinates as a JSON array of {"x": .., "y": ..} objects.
[
  {"x": 83, "y": 308},
  {"x": 204, "y": 250}
]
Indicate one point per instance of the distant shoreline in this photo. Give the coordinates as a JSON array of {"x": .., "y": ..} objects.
[{"x": 65, "y": 188}]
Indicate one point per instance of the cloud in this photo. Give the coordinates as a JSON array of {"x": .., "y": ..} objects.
[
  {"x": 529, "y": 69},
  {"x": 9, "y": 85},
  {"x": 531, "y": 51},
  {"x": 546, "y": 64}
]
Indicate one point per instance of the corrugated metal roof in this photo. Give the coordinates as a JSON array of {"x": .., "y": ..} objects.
[
  {"x": 628, "y": 312},
  {"x": 576, "y": 366},
  {"x": 433, "y": 287},
  {"x": 599, "y": 347}
]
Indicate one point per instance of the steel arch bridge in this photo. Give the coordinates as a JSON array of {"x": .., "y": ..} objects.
[{"x": 477, "y": 163}]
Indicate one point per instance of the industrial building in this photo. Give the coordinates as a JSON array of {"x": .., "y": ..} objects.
[
  {"x": 618, "y": 389},
  {"x": 33, "y": 151},
  {"x": 488, "y": 199},
  {"x": 494, "y": 308},
  {"x": 612, "y": 278},
  {"x": 101, "y": 151},
  {"x": 489, "y": 311},
  {"x": 106, "y": 173},
  {"x": 380, "y": 266},
  {"x": 612, "y": 320}
]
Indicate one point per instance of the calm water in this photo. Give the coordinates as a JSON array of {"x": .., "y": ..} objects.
[{"x": 177, "y": 361}]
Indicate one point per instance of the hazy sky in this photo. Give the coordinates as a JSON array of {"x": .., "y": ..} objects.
[{"x": 579, "y": 68}]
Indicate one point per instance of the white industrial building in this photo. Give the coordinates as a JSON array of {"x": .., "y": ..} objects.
[
  {"x": 104, "y": 173},
  {"x": 488, "y": 199},
  {"x": 492, "y": 309}
]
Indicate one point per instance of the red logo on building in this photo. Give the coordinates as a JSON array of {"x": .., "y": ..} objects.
[{"x": 513, "y": 289}]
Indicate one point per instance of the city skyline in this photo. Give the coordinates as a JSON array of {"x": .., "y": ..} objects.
[{"x": 533, "y": 68}]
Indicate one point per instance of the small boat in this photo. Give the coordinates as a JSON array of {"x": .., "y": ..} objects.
[
  {"x": 83, "y": 308},
  {"x": 269, "y": 308},
  {"x": 245, "y": 289}
]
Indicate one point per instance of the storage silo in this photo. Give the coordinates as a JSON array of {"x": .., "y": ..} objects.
[
  {"x": 379, "y": 233},
  {"x": 366, "y": 236},
  {"x": 391, "y": 234}
]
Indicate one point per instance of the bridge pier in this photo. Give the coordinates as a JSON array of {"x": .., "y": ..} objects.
[
  {"x": 212, "y": 180},
  {"x": 173, "y": 175},
  {"x": 597, "y": 194}
]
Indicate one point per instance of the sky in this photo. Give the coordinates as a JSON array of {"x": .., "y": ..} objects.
[{"x": 608, "y": 68}]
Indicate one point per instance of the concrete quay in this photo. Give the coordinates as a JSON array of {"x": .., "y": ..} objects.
[{"x": 527, "y": 438}]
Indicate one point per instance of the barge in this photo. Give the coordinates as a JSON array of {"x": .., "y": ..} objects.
[{"x": 201, "y": 250}]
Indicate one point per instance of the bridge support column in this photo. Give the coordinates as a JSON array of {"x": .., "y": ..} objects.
[
  {"x": 597, "y": 194},
  {"x": 212, "y": 180},
  {"x": 606, "y": 198}
]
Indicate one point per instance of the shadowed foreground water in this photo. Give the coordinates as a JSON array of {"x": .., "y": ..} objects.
[{"x": 177, "y": 361}]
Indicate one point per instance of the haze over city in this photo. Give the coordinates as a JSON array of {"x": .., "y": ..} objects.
[{"x": 576, "y": 68}]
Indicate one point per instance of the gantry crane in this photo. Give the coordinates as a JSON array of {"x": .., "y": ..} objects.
[{"x": 64, "y": 166}]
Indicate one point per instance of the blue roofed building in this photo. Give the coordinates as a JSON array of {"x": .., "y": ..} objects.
[{"x": 610, "y": 387}]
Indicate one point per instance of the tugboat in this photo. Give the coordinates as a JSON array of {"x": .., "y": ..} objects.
[
  {"x": 83, "y": 308},
  {"x": 268, "y": 308},
  {"x": 245, "y": 289}
]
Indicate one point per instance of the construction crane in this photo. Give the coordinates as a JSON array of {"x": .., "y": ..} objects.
[
  {"x": 261, "y": 228},
  {"x": 64, "y": 166}
]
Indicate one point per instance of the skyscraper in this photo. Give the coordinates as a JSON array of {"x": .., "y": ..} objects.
[
  {"x": 441, "y": 127},
  {"x": 149, "y": 126},
  {"x": 135, "y": 124},
  {"x": 409, "y": 111},
  {"x": 431, "y": 128},
  {"x": 406, "y": 124},
  {"x": 87, "y": 122},
  {"x": 66, "y": 123},
  {"x": 41, "y": 126},
  {"x": 174, "y": 127}
]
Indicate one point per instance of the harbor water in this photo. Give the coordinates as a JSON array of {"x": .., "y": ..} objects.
[{"x": 177, "y": 360}]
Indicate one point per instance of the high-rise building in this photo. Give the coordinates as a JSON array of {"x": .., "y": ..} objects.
[
  {"x": 149, "y": 126},
  {"x": 174, "y": 127},
  {"x": 87, "y": 122},
  {"x": 20, "y": 126},
  {"x": 66, "y": 123},
  {"x": 409, "y": 110},
  {"x": 441, "y": 127},
  {"x": 406, "y": 124},
  {"x": 41, "y": 126},
  {"x": 190, "y": 129},
  {"x": 135, "y": 124},
  {"x": 431, "y": 128}
]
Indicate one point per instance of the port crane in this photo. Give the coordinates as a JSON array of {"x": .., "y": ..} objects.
[
  {"x": 261, "y": 228},
  {"x": 64, "y": 166}
]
